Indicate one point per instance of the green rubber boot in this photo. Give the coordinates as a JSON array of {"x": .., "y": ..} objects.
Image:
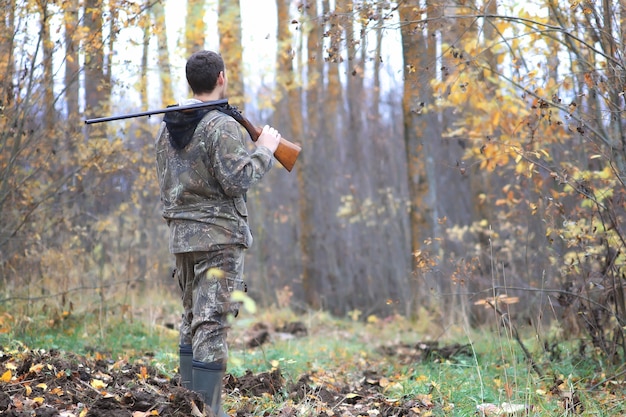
[
  {"x": 207, "y": 382},
  {"x": 185, "y": 354}
]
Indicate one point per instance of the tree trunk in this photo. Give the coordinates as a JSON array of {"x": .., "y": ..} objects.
[
  {"x": 48, "y": 71},
  {"x": 72, "y": 67},
  {"x": 306, "y": 176},
  {"x": 229, "y": 27},
  {"x": 7, "y": 65},
  {"x": 165, "y": 69},
  {"x": 414, "y": 54},
  {"x": 291, "y": 103},
  {"x": 195, "y": 28},
  {"x": 95, "y": 79},
  {"x": 143, "y": 68}
]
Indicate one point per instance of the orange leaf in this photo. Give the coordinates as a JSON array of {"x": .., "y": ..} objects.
[{"x": 143, "y": 373}]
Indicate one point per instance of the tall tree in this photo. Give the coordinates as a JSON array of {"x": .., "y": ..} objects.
[
  {"x": 96, "y": 70},
  {"x": 195, "y": 27},
  {"x": 146, "y": 25},
  {"x": 229, "y": 28},
  {"x": 163, "y": 57},
  {"x": 72, "y": 65},
  {"x": 309, "y": 179},
  {"x": 414, "y": 99},
  {"x": 48, "y": 71},
  {"x": 7, "y": 45}
]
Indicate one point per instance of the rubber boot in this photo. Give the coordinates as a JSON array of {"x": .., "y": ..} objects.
[
  {"x": 207, "y": 382},
  {"x": 185, "y": 354}
]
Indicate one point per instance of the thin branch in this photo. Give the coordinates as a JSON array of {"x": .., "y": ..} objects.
[
  {"x": 72, "y": 290},
  {"x": 526, "y": 22}
]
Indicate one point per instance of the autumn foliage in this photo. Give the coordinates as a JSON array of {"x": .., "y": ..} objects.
[{"x": 451, "y": 152}]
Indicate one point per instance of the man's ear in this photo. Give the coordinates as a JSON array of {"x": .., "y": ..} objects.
[{"x": 221, "y": 78}]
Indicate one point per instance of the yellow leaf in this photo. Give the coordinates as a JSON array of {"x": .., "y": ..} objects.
[
  {"x": 84, "y": 412},
  {"x": 39, "y": 400},
  {"x": 36, "y": 368},
  {"x": 421, "y": 378},
  {"x": 6, "y": 377},
  {"x": 495, "y": 121},
  {"x": 42, "y": 386},
  {"x": 28, "y": 390},
  {"x": 215, "y": 272},
  {"x": 97, "y": 384},
  {"x": 248, "y": 303}
]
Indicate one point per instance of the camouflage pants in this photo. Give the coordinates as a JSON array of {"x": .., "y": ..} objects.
[{"x": 207, "y": 280}]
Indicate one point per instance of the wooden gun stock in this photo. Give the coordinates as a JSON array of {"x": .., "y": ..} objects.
[{"x": 286, "y": 153}]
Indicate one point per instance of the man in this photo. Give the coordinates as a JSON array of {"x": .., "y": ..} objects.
[{"x": 204, "y": 170}]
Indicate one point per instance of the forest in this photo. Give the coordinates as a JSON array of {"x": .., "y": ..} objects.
[{"x": 461, "y": 159}]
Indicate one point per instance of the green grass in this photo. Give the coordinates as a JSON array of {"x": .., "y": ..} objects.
[{"x": 88, "y": 334}]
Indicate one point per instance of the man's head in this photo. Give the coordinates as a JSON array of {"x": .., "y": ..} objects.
[{"x": 205, "y": 72}]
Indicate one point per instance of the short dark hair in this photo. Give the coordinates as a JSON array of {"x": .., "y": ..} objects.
[{"x": 202, "y": 70}]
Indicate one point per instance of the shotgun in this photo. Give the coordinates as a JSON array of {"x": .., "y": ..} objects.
[{"x": 286, "y": 153}]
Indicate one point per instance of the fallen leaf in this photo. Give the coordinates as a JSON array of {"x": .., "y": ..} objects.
[
  {"x": 511, "y": 409},
  {"x": 6, "y": 377},
  {"x": 36, "y": 368},
  {"x": 505, "y": 409},
  {"x": 97, "y": 384},
  {"x": 195, "y": 412}
]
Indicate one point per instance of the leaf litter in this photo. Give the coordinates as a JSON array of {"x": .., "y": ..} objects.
[{"x": 53, "y": 383}]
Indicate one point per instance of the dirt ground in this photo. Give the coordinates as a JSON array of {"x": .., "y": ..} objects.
[{"x": 51, "y": 383}]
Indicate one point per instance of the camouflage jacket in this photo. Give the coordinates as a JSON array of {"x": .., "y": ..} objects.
[{"x": 204, "y": 170}]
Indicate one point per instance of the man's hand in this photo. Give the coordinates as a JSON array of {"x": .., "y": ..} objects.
[{"x": 269, "y": 138}]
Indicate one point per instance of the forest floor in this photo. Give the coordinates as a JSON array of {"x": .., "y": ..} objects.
[
  {"x": 53, "y": 383},
  {"x": 382, "y": 376}
]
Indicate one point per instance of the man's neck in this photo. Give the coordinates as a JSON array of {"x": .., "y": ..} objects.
[{"x": 207, "y": 96}]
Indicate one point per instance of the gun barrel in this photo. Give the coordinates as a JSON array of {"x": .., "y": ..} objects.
[{"x": 159, "y": 111}]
